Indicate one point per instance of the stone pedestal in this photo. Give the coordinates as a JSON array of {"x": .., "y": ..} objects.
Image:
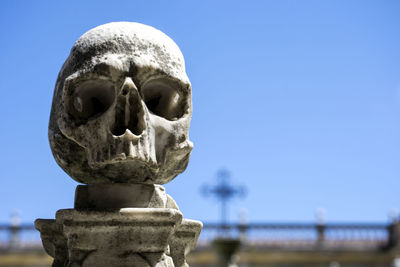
[
  {"x": 102, "y": 234},
  {"x": 53, "y": 240},
  {"x": 184, "y": 240}
]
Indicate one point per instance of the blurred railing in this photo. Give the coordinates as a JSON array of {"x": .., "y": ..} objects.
[
  {"x": 19, "y": 237},
  {"x": 264, "y": 235},
  {"x": 302, "y": 236}
]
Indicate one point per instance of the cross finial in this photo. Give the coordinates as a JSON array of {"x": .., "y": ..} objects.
[{"x": 223, "y": 191}]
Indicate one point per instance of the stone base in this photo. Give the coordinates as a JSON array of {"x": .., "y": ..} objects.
[
  {"x": 115, "y": 225},
  {"x": 184, "y": 240},
  {"x": 132, "y": 237},
  {"x": 113, "y": 197}
]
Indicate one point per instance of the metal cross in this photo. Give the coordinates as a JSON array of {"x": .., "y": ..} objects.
[{"x": 223, "y": 191}]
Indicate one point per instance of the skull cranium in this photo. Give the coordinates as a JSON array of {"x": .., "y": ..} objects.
[{"x": 122, "y": 107}]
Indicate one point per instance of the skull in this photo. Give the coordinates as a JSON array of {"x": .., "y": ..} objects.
[{"x": 122, "y": 107}]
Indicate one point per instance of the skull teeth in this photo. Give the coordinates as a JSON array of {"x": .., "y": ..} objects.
[
  {"x": 130, "y": 136},
  {"x": 125, "y": 148}
]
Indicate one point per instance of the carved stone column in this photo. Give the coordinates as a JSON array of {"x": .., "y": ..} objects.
[
  {"x": 184, "y": 240},
  {"x": 119, "y": 124}
]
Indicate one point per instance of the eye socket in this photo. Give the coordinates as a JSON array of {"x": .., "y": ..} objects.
[
  {"x": 163, "y": 98},
  {"x": 91, "y": 99}
]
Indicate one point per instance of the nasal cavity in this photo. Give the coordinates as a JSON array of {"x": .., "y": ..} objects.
[{"x": 129, "y": 114}]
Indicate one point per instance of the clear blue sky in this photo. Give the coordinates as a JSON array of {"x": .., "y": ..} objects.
[{"x": 300, "y": 100}]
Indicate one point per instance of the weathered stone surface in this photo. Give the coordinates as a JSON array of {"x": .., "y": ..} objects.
[
  {"x": 54, "y": 241},
  {"x": 119, "y": 124},
  {"x": 122, "y": 107},
  {"x": 184, "y": 240},
  {"x": 130, "y": 230},
  {"x": 102, "y": 197},
  {"x": 129, "y": 237}
]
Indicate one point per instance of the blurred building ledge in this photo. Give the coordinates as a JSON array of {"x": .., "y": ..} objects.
[{"x": 263, "y": 244}]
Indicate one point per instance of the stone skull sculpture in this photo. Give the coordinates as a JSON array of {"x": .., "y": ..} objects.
[{"x": 122, "y": 107}]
